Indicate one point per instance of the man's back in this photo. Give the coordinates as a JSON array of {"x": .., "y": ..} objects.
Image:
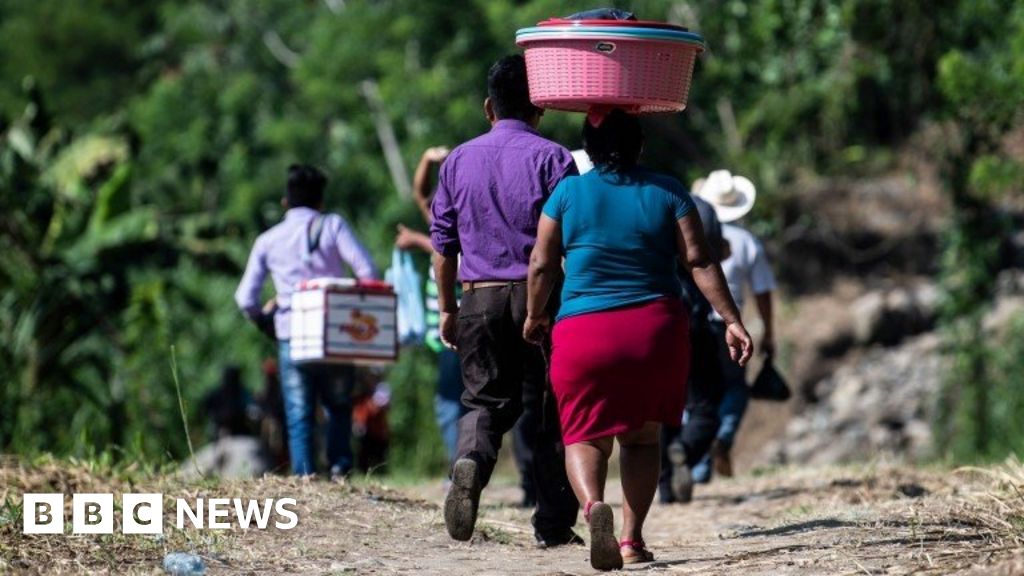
[
  {"x": 747, "y": 263},
  {"x": 285, "y": 253},
  {"x": 490, "y": 194}
]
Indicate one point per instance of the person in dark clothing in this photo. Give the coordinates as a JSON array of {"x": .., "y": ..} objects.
[
  {"x": 682, "y": 447},
  {"x": 485, "y": 214},
  {"x": 372, "y": 400},
  {"x": 273, "y": 432},
  {"x": 227, "y": 406},
  {"x": 523, "y": 437}
]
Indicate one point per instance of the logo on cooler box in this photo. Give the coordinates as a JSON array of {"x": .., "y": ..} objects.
[{"x": 362, "y": 328}]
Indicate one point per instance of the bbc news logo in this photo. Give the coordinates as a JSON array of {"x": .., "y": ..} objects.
[{"x": 144, "y": 513}]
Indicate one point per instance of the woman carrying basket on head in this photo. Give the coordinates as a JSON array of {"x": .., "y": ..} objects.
[{"x": 620, "y": 344}]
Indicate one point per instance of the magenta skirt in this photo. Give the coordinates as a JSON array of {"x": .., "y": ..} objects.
[{"x": 615, "y": 370}]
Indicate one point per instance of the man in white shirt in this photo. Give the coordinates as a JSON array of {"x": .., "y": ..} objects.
[{"x": 745, "y": 265}]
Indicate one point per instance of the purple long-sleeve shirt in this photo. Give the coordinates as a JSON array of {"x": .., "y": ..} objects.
[
  {"x": 489, "y": 196},
  {"x": 280, "y": 251}
]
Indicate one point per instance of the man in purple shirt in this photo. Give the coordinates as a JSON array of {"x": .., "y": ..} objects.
[
  {"x": 486, "y": 209},
  {"x": 306, "y": 244}
]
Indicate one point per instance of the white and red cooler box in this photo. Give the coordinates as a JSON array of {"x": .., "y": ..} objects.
[{"x": 344, "y": 321}]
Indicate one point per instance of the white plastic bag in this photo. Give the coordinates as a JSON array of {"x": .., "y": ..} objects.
[{"x": 408, "y": 284}]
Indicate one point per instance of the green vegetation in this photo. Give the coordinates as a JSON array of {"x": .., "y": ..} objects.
[
  {"x": 142, "y": 148},
  {"x": 983, "y": 86}
]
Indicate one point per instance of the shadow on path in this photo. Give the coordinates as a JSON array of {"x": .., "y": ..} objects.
[{"x": 798, "y": 528}]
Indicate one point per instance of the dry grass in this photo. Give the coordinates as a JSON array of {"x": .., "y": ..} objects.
[
  {"x": 872, "y": 518},
  {"x": 999, "y": 508},
  {"x": 130, "y": 554}
]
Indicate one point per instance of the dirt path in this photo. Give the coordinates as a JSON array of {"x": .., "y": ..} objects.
[
  {"x": 887, "y": 521},
  {"x": 835, "y": 521}
]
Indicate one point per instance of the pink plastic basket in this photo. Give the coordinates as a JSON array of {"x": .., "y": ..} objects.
[{"x": 639, "y": 69}]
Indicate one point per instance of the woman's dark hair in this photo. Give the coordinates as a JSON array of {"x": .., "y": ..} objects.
[
  {"x": 509, "y": 90},
  {"x": 305, "y": 186},
  {"x": 616, "y": 144}
]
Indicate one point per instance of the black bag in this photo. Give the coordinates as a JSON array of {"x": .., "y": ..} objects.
[
  {"x": 769, "y": 385},
  {"x": 265, "y": 322}
]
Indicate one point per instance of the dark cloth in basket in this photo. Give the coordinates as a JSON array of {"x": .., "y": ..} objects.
[{"x": 602, "y": 14}]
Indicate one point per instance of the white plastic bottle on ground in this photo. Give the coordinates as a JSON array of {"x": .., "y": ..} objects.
[{"x": 184, "y": 564}]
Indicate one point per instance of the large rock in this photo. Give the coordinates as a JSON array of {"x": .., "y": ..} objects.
[
  {"x": 1009, "y": 303},
  {"x": 236, "y": 457},
  {"x": 880, "y": 404},
  {"x": 868, "y": 313},
  {"x": 881, "y": 400},
  {"x": 888, "y": 316}
]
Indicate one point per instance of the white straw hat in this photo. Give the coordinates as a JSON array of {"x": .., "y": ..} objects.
[{"x": 731, "y": 196}]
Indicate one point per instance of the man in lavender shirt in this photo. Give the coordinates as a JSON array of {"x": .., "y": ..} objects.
[
  {"x": 486, "y": 209},
  {"x": 306, "y": 244}
]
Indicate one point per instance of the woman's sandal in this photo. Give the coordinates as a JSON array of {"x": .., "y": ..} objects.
[
  {"x": 637, "y": 554},
  {"x": 604, "y": 549}
]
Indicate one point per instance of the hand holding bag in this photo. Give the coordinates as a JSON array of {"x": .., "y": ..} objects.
[{"x": 769, "y": 384}]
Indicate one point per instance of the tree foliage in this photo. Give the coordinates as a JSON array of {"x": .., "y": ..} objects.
[
  {"x": 983, "y": 85},
  {"x": 142, "y": 148}
]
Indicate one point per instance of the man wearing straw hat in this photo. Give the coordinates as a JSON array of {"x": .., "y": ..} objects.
[
  {"x": 488, "y": 202},
  {"x": 745, "y": 264}
]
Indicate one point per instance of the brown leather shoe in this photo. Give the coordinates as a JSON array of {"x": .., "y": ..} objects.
[{"x": 721, "y": 461}]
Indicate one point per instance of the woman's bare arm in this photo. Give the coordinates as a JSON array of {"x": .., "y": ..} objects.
[
  {"x": 407, "y": 239},
  {"x": 421, "y": 179},
  {"x": 545, "y": 270},
  {"x": 707, "y": 274}
]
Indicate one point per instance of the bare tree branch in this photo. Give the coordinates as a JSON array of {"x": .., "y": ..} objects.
[
  {"x": 733, "y": 138},
  {"x": 335, "y": 6},
  {"x": 386, "y": 135},
  {"x": 279, "y": 50}
]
